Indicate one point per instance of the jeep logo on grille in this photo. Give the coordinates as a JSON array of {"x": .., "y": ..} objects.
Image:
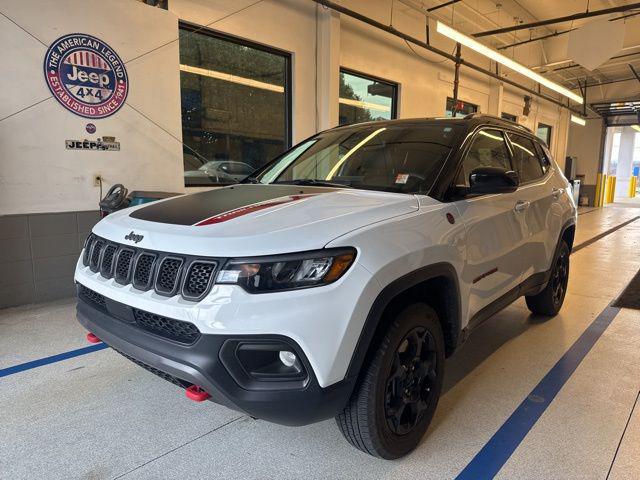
[{"x": 134, "y": 237}]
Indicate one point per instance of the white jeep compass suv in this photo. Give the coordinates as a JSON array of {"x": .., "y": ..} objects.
[{"x": 336, "y": 279}]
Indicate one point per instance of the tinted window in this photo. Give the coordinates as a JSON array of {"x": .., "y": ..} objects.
[
  {"x": 525, "y": 159},
  {"x": 488, "y": 149},
  {"x": 236, "y": 168},
  {"x": 397, "y": 158},
  {"x": 235, "y": 99},
  {"x": 545, "y": 157},
  {"x": 364, "y": 99}
]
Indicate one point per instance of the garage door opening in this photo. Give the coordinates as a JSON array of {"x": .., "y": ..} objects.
[{"x": 621, "y": 165}]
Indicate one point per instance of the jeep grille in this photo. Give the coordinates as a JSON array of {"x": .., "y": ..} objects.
[{"x": 166, "y": 273}]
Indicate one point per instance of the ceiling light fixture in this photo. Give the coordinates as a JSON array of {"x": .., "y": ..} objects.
[
  {"x": 362, "y": 104},
  {"x": 507, "y": 62},
  {"x": 578, "y": 120},
  {"x": 227, "y": 77}
]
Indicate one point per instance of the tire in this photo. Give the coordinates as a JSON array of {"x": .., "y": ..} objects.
[
  {"x": 549, "y": 301},
  {"x": 381, "y": 418}
]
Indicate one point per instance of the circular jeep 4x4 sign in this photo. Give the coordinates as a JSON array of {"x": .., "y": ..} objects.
[{"x": 86, "y": 75}]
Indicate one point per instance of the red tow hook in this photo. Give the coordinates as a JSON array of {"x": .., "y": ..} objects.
[
  {"x": 196, "y": 393},
  {"x": 91, "y": 338}
]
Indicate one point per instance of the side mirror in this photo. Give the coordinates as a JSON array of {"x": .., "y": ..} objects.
[{"x": 485, "y": 180}]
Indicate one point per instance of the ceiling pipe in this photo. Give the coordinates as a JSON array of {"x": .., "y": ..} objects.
[
  {"x": 559, "y": 62},
  {"x": 605, "y": 65},
  {"x": 446, "y": 4},
  {"x": 393, "y": 31},
  {"x": 610, "y": 82},
  {"x": 618, "y": 100},
  {"x": 467, "y": 17},
  {"x": 635, "y": 73},
  {"x": 557, "y": 34},
  {"x": 544, "y": 37},
  {"x": 567, "y": 18}
]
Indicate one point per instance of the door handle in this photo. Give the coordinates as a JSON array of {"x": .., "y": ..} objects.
[
  {"x": 521, "y": 206},
  {"x": 556, "y": 192}
]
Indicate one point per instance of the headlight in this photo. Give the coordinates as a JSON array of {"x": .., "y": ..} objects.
[{"x": 288, "y": 272}]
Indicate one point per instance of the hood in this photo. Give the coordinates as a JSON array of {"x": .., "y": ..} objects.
[{"x": 247, "y": 220}]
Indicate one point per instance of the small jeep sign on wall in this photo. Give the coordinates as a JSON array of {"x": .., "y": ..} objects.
[
  {"x": 101, "y": 144},
  {"x": 86, "y": 76}
]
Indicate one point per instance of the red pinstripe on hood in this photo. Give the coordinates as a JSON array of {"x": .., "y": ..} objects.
[{"x": 239, "y": 212}]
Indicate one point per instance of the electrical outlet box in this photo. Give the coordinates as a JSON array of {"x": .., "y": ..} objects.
[{"x": 97, "y": 178}]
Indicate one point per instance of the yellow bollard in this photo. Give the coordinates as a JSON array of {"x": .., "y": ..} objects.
[
  {"x": 612, "y": 190},
  {"x": 600, "y": 182},
  {"x": 633, "y": 184},
  {"x": 607, "y": 189}
]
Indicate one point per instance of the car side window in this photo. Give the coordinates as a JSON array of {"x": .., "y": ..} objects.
[
  {"x": 525, "y": 159},
  {"x": 488, "y": 149}
]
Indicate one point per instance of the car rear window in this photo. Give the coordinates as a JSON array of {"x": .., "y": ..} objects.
[{"x": 525, "y": 158}]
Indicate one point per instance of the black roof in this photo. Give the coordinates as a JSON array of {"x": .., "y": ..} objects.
[{"x": 470, "y": 121}]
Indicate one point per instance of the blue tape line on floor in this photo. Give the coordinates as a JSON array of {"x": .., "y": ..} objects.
[
  {"x": 496, "y": 452},
  {"x": 52, "y": 359}
]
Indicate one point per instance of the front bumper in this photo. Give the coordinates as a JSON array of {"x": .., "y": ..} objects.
[{"x": 211, "y": 363}]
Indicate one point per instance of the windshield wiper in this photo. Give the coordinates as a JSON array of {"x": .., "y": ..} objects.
[
  {"x": 313, "y": 182},
  {"x": 249, "y": 180}
]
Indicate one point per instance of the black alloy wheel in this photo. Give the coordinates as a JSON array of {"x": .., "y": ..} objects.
[
  {"x": 549, "y": 301},
  {"x": 399, "y": 386},
  {"x": 560, "y": 277},
  {"x": 410, "y": 385}
]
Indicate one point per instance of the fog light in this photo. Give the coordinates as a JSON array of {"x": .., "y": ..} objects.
[{"x": 288, "y": 358}]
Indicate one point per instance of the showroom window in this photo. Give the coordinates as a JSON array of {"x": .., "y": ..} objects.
[
  {"x": 464, "y": 108},
  {"x": 544, "y": 133},
  {"x": 236, "y": 106},
  {"x": 364, "y": 98}
]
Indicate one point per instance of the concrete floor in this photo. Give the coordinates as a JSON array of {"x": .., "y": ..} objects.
[{"x": 99, "y": 416}]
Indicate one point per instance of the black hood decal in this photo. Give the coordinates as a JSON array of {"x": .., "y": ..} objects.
[{"x": 192, "y": 209}]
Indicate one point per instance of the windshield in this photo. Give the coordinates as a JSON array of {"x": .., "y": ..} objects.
[
  {"x": 395, "y": 158},
  {"x": 207, "y": 166}
]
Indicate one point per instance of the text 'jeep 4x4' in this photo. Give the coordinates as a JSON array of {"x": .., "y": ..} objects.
[{"x": 335, "y": 280}]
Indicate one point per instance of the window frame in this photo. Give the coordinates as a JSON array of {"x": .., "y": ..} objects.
[
  {"x": 537, "y": 152},
  {"x": 477, "y": 110},
  {"x": 509, "y": 117},
  {"x": 288, "y": 83},
  {"x": 470, "y": 141},
  {"x": 375, "y": 78},
  {"x": 545, "y": 156},
  {"x": 550, "y": 127},
  {"x": 449, "y": 194}
]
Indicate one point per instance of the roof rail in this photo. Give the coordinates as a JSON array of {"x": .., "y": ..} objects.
[{"x": 499, "y": 119}]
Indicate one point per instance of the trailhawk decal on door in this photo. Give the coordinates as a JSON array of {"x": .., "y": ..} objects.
[
  {"x": 86, "y": 76},
  {"x": 238, "y": 212},
  {"x": 223, "y": 204}
]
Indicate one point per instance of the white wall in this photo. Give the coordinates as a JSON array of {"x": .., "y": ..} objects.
[
  {"x": 585, "y": 143},
  {"x": 37, "y": 173}
]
